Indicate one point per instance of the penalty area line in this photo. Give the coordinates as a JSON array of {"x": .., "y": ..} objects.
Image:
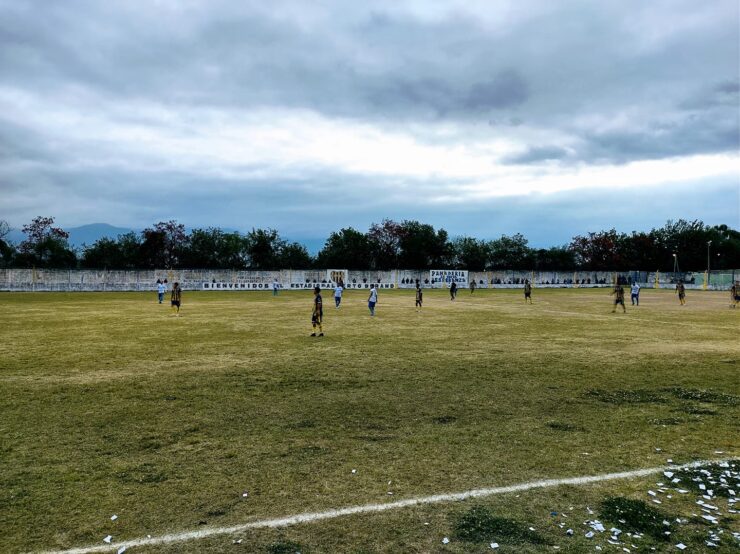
[{"x": 310, "y": 517}]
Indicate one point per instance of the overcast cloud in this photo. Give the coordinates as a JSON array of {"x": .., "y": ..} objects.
[{"x": 546, "y": 118}]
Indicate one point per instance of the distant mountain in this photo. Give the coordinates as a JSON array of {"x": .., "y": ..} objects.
[
  {"x": 84, "y": 234},
  {"x": 88, "y": 234}
]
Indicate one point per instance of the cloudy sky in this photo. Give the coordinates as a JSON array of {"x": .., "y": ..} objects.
[{"x": 541, "y": 117}]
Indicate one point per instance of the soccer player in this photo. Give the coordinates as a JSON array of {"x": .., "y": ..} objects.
[
  {"x": 318, "y": 312},
  {"x": 527, "y": 291},
  {"x": 338, "y": 294},
  {"x": 161, "y": 289},
  {"x": 472, "y": 286},
  {"x": 635, "y": 294},
  {"x": 418, "y": 295},
  {"x": 176, "y": 298},
  {"x": 275, "y": 287},
  {"x": 681, "y": 291},
  {"x": 453, "y": 290},
  {"x": 372, "y": 299},
  {"x": 734, "y": 294},
  {"x": 619, "y": 298}
]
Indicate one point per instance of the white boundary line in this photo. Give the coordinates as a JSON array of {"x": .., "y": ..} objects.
[{"x": 373, "y": 508}]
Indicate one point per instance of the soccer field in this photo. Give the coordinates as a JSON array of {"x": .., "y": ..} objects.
[{"x": 232, "y": 414}]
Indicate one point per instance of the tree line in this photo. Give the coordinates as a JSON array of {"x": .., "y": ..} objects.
[{"x": 387, "y": 245}]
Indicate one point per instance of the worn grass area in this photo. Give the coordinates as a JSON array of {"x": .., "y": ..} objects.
[{"x": 111, "y": 406}]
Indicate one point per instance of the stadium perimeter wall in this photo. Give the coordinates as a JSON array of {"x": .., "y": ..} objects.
[{"x": 27, "y": 280}]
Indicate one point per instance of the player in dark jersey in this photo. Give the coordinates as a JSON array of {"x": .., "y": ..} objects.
[
  {"x": 318, "y": 312},
  {"x": 453, "y": 290},
  {"x": 681, "y": 291},
  {"x": 176, "y": 298},
  {"x": 472, "y": 286},
  {"x": 527, "y": 291},
  {"x": 619, "y": 297},
  {"x": 734, "y": 294},
  {"x": 418, "y": 296}
]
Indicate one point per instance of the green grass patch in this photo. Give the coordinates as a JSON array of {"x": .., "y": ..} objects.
[
  {"x": 479, "y": 525},
  {"x": 635, "y": 516}
]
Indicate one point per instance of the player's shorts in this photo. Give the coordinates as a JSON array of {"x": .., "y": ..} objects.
[
  {"x": 619, "y": 301},
  {"x": 682, "y": 295},
  {"x": 737, "y": 298},
  {"x": 527, "y": 295},
  {"x": 316, "y": 318},
  {"x": 176, "y": 303},
  {"x": 418, "y": 302},
  {"x": 371, "y": 305}
]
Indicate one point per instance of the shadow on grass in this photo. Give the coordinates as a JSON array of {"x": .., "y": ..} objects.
[
  {"x": 479, "y": 525},
  {"x": 635, "y": 516}
]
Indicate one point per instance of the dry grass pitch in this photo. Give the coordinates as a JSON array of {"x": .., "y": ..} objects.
[{"x": 111, "y": 406}]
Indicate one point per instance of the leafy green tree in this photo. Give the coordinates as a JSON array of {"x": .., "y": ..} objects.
[
  {"x": 163, "y": 245},
  {"x": 45, "y": 246},
  {"x": 556, "y": 258},
  {"x": 212, "y": 248},
  {"x": 385, "y": 244},
  {"x": 294, "y": 256},
  {"x": 346, "y": 249},
  {"x": 105, "y": 253},
  {"x": 421, "y": 247},
  {"x": 7, "y": 250},
  {"x": 511, "y": 253},
  {"x": 470, "y": 253},
  {"x": 263, "y": 249}
]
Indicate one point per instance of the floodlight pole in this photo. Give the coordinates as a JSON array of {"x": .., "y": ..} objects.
[{"x": 709, "y": 245}]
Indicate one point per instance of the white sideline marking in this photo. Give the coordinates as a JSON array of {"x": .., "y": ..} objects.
[{"x": 373, "y": 508}]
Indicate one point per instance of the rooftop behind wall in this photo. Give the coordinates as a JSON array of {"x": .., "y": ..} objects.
[{"x": 194, "y": 279}]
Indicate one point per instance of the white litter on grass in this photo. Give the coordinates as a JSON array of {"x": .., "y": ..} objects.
[
  {"x": 114, "y": 517},
  {"x": 309, "y": 517},
  {"x": 682, "y": 491},
  {"x": 569, "y": 532},
  {"x": 121, "y": 550},
  {"x": 681, "y": 546},
  {"x": 531, "y": 528},
  {"x": 108, "y": 539},
  {"x": 445, "y": 541},
  {"x": 493, "y": 545},
  {"x": 354, "y": 471},
  {"x": 710, "y": 518},
  {"x": 245, "y": 494},
  {"x": 597, "y": 526},
  {"x": 651, "y": 493},
  {"x": 668, "y": 474}
]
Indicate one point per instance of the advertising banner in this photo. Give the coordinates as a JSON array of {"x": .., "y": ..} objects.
[{"x": 445, "y": 277}]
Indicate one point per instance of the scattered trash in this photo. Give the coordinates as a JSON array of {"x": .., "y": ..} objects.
[
  {"x": 445, "y": 541},
  {"x": 354, "y": 471},
  {"x": 121, "y": 550},
  {"x": 589, "y": 535},
  {"x": 681, "y": 546},
  {"x": 114, "y": 517},
  {"x": 245, "y": 494},
  {"x": 108, "y": 539},
  {"x": 569, "y": 532},
  {"x": 493, "y": 545}
]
